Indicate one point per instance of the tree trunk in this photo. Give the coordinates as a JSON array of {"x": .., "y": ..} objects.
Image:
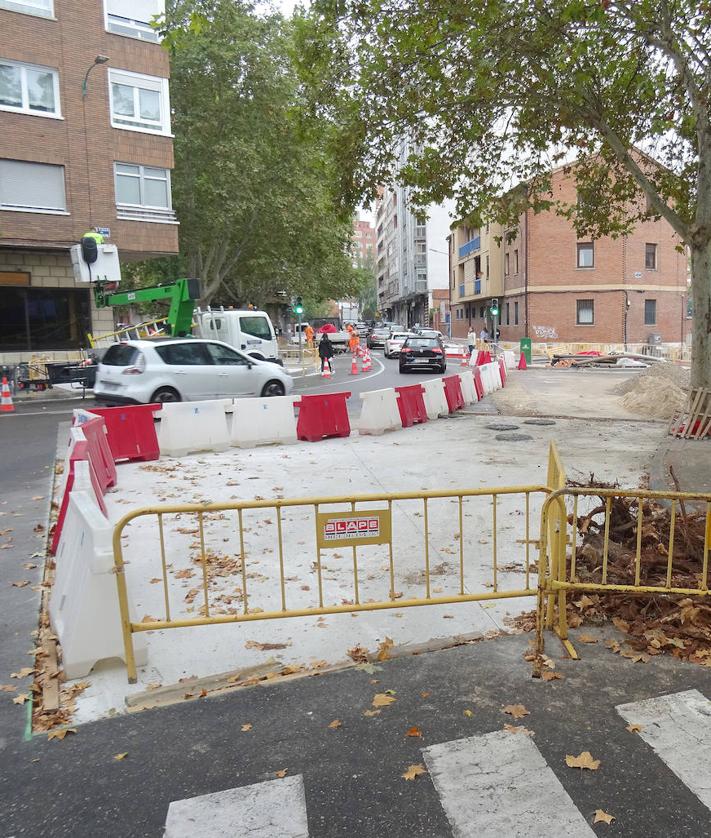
[{"x": 701, "y": 296}]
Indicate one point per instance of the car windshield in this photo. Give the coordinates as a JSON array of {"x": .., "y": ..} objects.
[
  {"x": 422, "y": 343},
  {"x": 399, "y": 336},
  {"x": 119, "y": 355},
  {"x": 257, "y": 327},
  {"x": 429, "y": 333}
]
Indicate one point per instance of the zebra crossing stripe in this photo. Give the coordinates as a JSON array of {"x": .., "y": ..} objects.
[
  {"x": 499, "y": 784},
  {"x": 272, "y": 809},
  {"x": 678, "y": 729}
]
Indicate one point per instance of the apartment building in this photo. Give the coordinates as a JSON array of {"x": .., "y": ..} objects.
[
  {"x": 554, "y": 286},
  {"x": 85, "y": 143},
  {"x": 363, "y": 241},
  {"x": 411, "y": 255}
]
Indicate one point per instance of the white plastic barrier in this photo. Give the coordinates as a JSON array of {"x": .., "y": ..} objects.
[
  {"x": 83, "y": 607},
  {"x": 263, "y": 421},
  {"x": 187, "y": 427},
  {"x": 379, "y": 412},
  {"x": 435, "y": 400},
  {"x": 75, "y": 435},
  {"x": 468, "y": 389},
  {"x": 489, "y": 378},
  {"x": 82, "y": 482},
  {"x": 510, "y": 359}
]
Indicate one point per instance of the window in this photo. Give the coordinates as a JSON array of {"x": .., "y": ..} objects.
[
  {"x": 506, "y": 264},
  {"x": 516, "y": 314},
  {"x": 120, "y": 355},
  {"x": 585, "y": 312},
  {"x": 43, "y": 318},
  {"x": 507, "y": 314},
  {"x": 143, "y": 192},
  {"x": 650, "y": 256},
  {"x": 223, "y": 356},
  {"x": 184, "y": 354},
  {"x": 26, "y": 88},
  {"x": 650, "y": 312},
  {"x": 133, "y": 18},
  {"x": 31, "y": 187},
  {"x": 515, "y": 261},
  {"x": 139, "y": 103},
  {"x": 487, "y": 263},
  {"x": 257, "y": 327},
  {"x": 586, "y": 255},
  {"x": 40, "y": 8}
]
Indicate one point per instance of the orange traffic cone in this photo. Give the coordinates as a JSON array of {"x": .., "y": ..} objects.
[
  {"x": 354, "y": 365},
  {"x": 6, "y": 405},
  {"x": 326, "y": 371},
  {"x": 522, "y": 362}
]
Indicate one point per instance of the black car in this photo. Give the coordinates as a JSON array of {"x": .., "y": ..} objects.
[{"x": 422, "y": 353}]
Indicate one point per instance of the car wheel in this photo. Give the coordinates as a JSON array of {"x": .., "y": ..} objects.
[
  {"x": 273, "y": 388},
  {"x": 166, "y": 395},
  {"x": 444, "y": 368}
]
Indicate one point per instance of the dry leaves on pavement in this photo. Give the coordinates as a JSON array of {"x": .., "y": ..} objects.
[
  {"x": 119, "y": 757},
  {"x": 245, "y": 728},
  {"x": 335, "y": 724},
  {"x": 383, "y": 700},
  {"x": 583, "y": 760},
  {"x": 21, "y": 699},
  {"x": 518, "y": 711},
  {"x": 281, "y": 774},
  {"x": 7, "y": 688},
  {"x": 587, "y": 638},
  {"x": 414, "y": 771},
  {"x": 358, "y": 654},
  {"x": 60, "y": 733},
  {"x": 384, "y": 649},
  {"x": 634, "y": 728},
  {"x": 518, "y": 729},
  {"x": 414, "y": 731},
  {"x": 603, "y": 817},
  {"x": 552, "y": 676},
  {"x": 468, "y": 713}
]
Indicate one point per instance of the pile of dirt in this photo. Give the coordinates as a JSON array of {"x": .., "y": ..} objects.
[{"x": 657, "y": 393}]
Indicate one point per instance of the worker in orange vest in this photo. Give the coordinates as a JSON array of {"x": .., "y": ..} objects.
[
  {"x": 309, "y": 333},
  {"x": 353, "y": 340}
]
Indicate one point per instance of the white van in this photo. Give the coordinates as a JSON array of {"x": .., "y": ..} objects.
[{"x": 250, "y": 331}]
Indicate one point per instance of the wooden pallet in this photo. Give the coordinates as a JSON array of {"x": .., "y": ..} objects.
[{"x": 694, "y": 421}]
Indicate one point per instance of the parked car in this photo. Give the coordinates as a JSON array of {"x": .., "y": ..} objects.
[
  {"x": 422, "y": 352},
  {"x": 184, "y": 369},
  {"x": 376, "y": 339},
  {"x": 429, "y": 333},
  {"x": 362, "y": 329},
  {"x": 394, "y": 343}
]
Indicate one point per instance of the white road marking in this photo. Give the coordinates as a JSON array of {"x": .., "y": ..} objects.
[
  {"x": 273, "y": 809},
  {"x": 499, "y": 785},
  {"x": 342, "y": 383},
  {"x": 678, "y": 729}
]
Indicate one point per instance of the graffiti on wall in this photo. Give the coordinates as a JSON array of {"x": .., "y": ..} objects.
[{"x": 545, "y": 333}]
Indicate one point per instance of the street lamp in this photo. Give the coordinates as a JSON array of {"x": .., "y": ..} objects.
[{"x": 100, "y": 59}]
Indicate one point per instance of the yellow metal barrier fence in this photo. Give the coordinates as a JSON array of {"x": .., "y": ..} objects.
[
  {"x": 372, "y": 528},
  {"x": 558, "y": 566}
]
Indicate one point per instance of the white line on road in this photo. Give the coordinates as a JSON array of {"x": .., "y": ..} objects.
[
  {"x": 499, "y": 785},
  {"x": 342, "y": 383},
  {"x": 273, "y": 809},
  {"x": 678, "y": 729}
]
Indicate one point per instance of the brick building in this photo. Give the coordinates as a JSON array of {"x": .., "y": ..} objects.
[
  {"x": 363, "y": 242},
  {"x": 554, "y": 286},
  {"x": 85, "y": 143}
]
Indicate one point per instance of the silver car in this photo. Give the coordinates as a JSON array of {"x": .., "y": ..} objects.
[{"x": 184, "y": 369}]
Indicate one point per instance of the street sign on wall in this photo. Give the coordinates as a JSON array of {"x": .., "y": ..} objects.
[{"x": 351, "y": 529}]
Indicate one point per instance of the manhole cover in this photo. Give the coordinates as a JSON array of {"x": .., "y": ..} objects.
[
  {"x": 538, "y": 422},
  {"x": 501, "y": 426},
  {"x": 513, "y": 437}
]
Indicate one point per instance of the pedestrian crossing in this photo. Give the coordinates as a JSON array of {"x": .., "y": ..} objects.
[{"x": 490, "y": 785}]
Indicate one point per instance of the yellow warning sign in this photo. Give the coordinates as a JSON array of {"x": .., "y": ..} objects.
[{"x": 350, "y": 529}]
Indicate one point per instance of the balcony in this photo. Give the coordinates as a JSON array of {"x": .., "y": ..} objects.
[{"x": 470, "y": 247}]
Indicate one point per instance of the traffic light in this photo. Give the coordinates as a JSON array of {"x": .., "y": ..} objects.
[
  {"x": 298, "y": 306},
  {"x": 494, "y": 308}
]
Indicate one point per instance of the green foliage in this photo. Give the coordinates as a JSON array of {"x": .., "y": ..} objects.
[{"x": 255, "y": 186}]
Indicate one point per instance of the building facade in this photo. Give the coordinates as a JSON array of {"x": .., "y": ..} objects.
[
  {"x": 554, "y": 286},
  {"x": 85, "y": 144},
  {"x": 363, "y": 242},
  {"x": 411, "y": 255}
]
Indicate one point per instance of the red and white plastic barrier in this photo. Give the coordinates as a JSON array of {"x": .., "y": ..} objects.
[
  {"x": 263, "y": 421},
  {"x": 468, "y": 389},
  {"x": 435, "y": 399},
  {"x": 379, "y": 412}
]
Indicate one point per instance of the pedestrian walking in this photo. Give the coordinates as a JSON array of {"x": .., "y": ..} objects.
[
  {"x": 325, "y": 352},
  {"x": 309, "y": 332},
  {"x": 484, "y": 334},
  {"x": 471, "y": 339}
]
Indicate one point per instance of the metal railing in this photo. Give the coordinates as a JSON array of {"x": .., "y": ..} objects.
[
  {"x": 383, "y": 526},
  {"x": 470, "y": 247},
  {"x": 559, "y": 566}
]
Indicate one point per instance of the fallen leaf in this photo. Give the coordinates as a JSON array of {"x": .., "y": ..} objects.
[
  {"x": 621, "y": 624},
  {"x": 424, "y": 694},
  {"x": 587, "y": 638},
  {"x": 119, "y": 757},
  {"x": 414, "y": 771},
  {"x": 518, "y": 729},
  {"x": 634, "y": 655},
  {"x": 358, "y": 654},
  {"x": 265, "y": 647},
  {"x": 414, "y": 731},
  {"x": 518, "y": 711},
  {"x": 552, "y": 676},
  {"x": 634, "y": 728},
  {"x": 7, "y": 688},
  {"x": 468, "y": 713},
  {"x": 603, "y": 817},
  {"x": 335, "y": 724},
  {"x": 370, "y": 668},
  {"x": 384, "y": 649},
  {"x": 38, "y": 528},
  {"x": 38, "y": 497},
  {"x": 281, "y": 774},
  {"x": 203, "y": 693},
  {"x": 23, "y": 583},
  {"x": 23, "y": 673},
  {"x": 583, "y": 760},
  {"x": 246, "y": 728},
  {"x": 371, "y": 712},
  {"x": 148, "y": 619},
  {"x": 21, "y": 698},
  {"x": 382, "y": 700},
  {"x": 29, "y": 566},
  {"x": 61, "y": 733}
]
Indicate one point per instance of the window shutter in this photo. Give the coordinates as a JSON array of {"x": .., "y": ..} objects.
[{"x": 31, "y": 185}]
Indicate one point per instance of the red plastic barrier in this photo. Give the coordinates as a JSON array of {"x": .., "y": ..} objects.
[
  {"x": 323, "y": 416},
  {"x": 411, "y": 404},
  {"x": 502, "y": 370},
  {"x": 478, "y": 384},
  {"x": 453, "y": 392},
  {"x": 484, "y": 357},
  {"x": 81, "y": 451},
  {"x": 131, "y": 431},
  {"x": 99, "y": 451}
]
